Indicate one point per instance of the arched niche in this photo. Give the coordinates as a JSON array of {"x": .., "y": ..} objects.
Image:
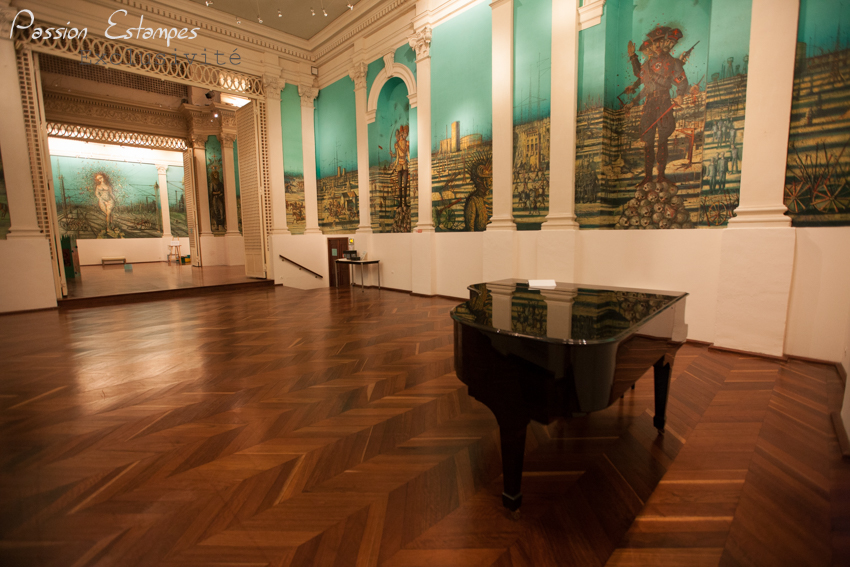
[
  {"x": 394, "y": 204},
  {"x": 397, "y": 70}
]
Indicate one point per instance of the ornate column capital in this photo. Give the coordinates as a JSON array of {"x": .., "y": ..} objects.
[
  {"x": 358, "y": 75},
  {"x": 420, "y": 42},
  {"x": 227, "y": 140},
  {"x": 161, "y": 169},
  {"x": 272, "y": 86},
  {"x": 308, "y": 94},
  {"x": 7, "y": 16},
  {"x": 199, "y": 141}
]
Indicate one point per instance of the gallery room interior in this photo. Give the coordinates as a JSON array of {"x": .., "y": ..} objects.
[{"x": 191, "y": 377}]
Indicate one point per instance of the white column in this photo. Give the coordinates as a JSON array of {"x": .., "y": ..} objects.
[
  {"x": 503, "y": 115},
  {"x": 14, "y": 147},
  {"x": 757, "y": 266},
  {"x": 275, "y": 141},
  {"x": 163, "y": 200},
  {"x": 420, "y": 41},
  {"x": 308, "y": 146},
  {"x": 231, "y": 211},
  {"x": 562, "y": 141},
  {"x": 358, "y": 75},
  {"x": 200, "y": 152},
  {"x": 770, "y": 83}
]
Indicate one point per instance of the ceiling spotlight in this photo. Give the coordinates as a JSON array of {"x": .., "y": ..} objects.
[
  {"x": 238, "y": 22},
  {"x": 215, "y": 114},
  {"x": 350, "y": 6},
  {"x": 259, "y": 19},
  {"x": 312, "y": 11},
  {"x": 209, "y": 2},
  {"x": 325, "y": 12},
  {"x": 279, "y": 14}
]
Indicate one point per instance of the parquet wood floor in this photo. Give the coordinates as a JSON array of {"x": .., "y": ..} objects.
[{"x": 326, "y": 428}]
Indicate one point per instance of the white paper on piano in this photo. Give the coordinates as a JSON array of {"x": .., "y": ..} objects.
[{"x": 541, "y": 284}]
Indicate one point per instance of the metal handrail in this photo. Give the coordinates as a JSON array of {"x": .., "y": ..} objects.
[{"x": 282, "y": 257}]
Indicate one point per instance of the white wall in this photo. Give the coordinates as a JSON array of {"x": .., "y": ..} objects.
[
  {"x": 134, "y": 250},
  {"x": 460, "y": 262},
  {"x": 27, "y": 281},
  {"x": 670, "y": 260},
  {"x": 820, "y": 294}
]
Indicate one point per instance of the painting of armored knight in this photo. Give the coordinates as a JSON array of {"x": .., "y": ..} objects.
[{"x": 660, "y": 133}]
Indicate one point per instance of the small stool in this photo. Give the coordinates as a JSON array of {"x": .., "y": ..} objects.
[{"x": 174, "y": 251}]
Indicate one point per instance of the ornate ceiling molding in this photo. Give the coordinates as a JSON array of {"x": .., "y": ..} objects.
[
  {"x": 345, "y": 36},
  {"x": 229, "y": 31},
  {"x": 109, "y": 113}
]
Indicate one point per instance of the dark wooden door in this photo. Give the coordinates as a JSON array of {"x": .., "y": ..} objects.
[{"x": 336, "y": 246}]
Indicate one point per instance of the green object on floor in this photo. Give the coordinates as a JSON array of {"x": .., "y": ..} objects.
[{"x": 128, "y": 267}]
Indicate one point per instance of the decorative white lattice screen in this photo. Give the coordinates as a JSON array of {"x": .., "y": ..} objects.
[
  {"x": 264, "y": 163},
  {"x": 251, "y": 178},
  {"x": 191, "y": 216}
]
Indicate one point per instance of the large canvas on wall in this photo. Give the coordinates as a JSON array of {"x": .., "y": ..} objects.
[
  {"x": 336, "y": 158},
  {"x": 106, "y": 199},
  {"x": 660, "y": 132},
  {"x": 817, "y": 178},
  {"x": 532, "y": 94},
  {"x": 462, "y": 122},
  {"x": 293, "y": 159}
]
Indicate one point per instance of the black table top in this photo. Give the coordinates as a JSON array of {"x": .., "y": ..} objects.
[
  {"x": 583, "y": 314},
  {"x": 344, "y": 261}
]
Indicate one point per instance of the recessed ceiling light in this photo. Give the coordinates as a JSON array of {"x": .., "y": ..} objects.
[
  {"x": 350, "y": 6},
  {"x": 325, "y": 12},
  {"x": 259, "y": 19},
  {"x": 209, "y": 2},
  {"x": 279, "y": 14},
  {"x": 312, "y": 11},
  {"x": 238, "y": 22}
]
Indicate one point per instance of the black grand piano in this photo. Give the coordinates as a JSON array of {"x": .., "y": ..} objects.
[{"x": 541, "y": 354}]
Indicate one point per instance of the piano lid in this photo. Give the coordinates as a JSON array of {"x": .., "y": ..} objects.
[{"x": 567, "y": 313}]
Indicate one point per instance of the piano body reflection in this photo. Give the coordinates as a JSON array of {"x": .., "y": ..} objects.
[{"x": 546, "y": 353}]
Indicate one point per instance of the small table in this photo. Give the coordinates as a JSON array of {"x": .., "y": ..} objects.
[{"x": 360, "y": 263}]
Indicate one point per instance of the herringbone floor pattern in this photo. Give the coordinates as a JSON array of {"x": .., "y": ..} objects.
[{"x": 291, "y": 428}]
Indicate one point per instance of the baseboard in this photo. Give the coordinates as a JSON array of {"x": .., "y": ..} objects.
[
  {"x": 26, "y": 311},
  {"x": 841, "y": 433},
  {"x": 782, "y": 358},
  {"x": 696, "y": 342}
]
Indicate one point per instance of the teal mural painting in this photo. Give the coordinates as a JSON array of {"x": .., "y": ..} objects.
[
  {"x": 336, "y": 158},
  {"x": 293, "y": 159},
  {"x": 462, "y": 127},
  {"x": 106, "y": 199},
  {"x": 176, "y": 201},
  {"x": 215, "y": 186},
  {"x": 5, "y": 217},
  {"x": 817, "y": 178},
  {"x": 392, "y": 163},
  {"x": 660, "y": 137},
  {"x": 532, "y": 95}
]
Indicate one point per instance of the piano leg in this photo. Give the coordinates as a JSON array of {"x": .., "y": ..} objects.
[
  {"x": 513, "y": 450},
  {"x": 662, "y": 388}
]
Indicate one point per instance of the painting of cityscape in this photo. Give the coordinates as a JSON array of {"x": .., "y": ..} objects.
[
  {"x": 338, "y": 202},
  {"x": 296, "y": 216},
  {"x": 110, "y": 199},
  {"x": 659, "y": 145},
  {"x": 817, "y": 178},
  {"x": 462, "y": 181}
]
